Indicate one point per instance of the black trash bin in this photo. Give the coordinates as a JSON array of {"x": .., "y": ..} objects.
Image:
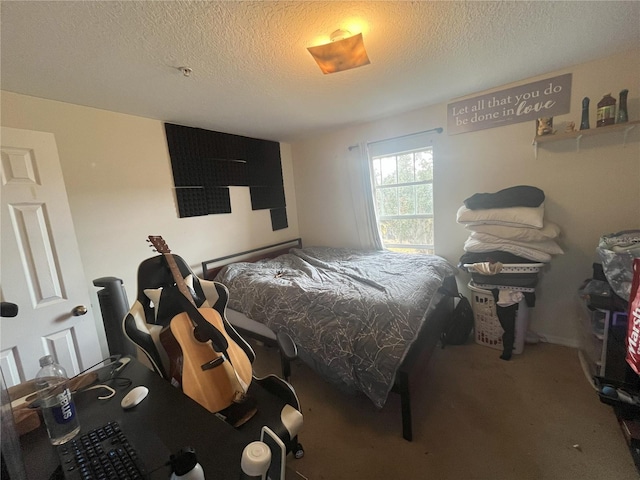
[{"x": 114, "y": 306}]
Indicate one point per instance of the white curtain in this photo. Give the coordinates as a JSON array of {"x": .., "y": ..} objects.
[{"x": 360, "y": 179}]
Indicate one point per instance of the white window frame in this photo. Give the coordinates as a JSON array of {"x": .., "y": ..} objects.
[{"x": 395, "y": 148}]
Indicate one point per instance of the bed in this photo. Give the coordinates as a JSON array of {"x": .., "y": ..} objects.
[{"x": 364, "y": 320}]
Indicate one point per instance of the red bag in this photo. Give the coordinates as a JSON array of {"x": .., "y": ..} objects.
[{"x": 633, "y": 324}]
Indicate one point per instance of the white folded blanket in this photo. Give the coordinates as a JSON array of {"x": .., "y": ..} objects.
[
  {"x": 512, "y": 216},
  {"x": 522, "y": 234},
  {"x": 474, "y": 245},
  {"x": 548, "y": 246}
]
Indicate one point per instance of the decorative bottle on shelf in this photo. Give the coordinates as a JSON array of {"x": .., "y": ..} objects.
[
  {"x": 622, "y": 116},
  {"x": 58, "y": 409},
  {"x": 606, "y": 113},
  {"x": 584, "y": 123}
]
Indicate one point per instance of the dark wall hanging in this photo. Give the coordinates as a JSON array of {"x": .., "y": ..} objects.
[{"x": 206, "y": 163}]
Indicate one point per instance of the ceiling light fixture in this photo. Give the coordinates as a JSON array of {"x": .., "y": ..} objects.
[{"x": 343, "y": 53}]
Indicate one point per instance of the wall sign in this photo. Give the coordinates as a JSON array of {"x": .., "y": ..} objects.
[{"x": 523, "y": 103}]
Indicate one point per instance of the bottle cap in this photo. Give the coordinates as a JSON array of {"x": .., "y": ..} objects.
[
  {"x": 256, "y": 459},
  {"x": 184, "y": 461},
  {"x": 46, "y": 360}
]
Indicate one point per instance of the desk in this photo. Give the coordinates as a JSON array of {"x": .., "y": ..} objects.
[{"x": 166, "y": 415}]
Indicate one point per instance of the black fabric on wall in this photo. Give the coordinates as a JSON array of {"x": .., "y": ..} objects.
[
  {"x": 267, "y": 197},
  {"x": 279, "y": 218},
  {"x": 204, "y": 163}
]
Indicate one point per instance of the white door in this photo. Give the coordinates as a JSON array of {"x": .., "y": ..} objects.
[{"x": 40, "y": 266}]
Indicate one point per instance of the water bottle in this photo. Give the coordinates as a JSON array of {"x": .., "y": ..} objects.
[
  {"x": 185, "y": 466},
  {"x": 57, "y": 405}
]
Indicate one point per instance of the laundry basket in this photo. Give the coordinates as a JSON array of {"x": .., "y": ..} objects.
[{"x": 487, "y": 328}]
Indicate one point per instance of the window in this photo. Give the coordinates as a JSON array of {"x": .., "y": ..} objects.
[{"x": 403, "y": 193}]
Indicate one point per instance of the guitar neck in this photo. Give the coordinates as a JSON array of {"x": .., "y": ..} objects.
[
  {"x": 177, "y": 277},
  {"x": 162, "y": 247}
]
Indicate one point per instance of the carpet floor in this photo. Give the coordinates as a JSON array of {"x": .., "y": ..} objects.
[{"x": 475, "y": 416}]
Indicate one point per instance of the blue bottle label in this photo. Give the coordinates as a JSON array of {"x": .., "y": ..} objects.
[{"x": 65, "y": 411}]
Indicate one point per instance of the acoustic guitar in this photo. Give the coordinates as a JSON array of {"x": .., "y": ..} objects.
[{"x": 214, "y": 379}]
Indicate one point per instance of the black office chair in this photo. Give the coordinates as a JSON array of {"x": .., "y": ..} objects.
[{"x": 158, "y": 302}]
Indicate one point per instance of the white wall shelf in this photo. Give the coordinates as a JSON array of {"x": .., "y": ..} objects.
[{"x": 625, "y": 128}]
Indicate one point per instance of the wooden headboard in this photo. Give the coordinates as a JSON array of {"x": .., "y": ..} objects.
[{"x": 210, "y": 268}]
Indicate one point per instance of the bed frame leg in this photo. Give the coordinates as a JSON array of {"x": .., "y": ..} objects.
[{"x": 405, "y": 403}]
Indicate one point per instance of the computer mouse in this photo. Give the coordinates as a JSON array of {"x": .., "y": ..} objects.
[{"x": 134, "y": 397}]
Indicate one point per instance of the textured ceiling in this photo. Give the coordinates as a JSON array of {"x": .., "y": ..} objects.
[{"x": 252, "y": 74}]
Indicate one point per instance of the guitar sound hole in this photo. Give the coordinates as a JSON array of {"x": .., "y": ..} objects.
[{"x": 200, "y": 336}]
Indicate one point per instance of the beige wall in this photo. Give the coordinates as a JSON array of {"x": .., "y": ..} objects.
[
  {"x": 589, "y": 193},
  {"x": 118, "y": 176}
]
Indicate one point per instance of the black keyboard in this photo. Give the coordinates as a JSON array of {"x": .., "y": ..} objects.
[{"x": 104, "y": 453}]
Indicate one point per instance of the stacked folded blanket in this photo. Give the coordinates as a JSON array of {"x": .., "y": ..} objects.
[
  {"x": 511, "y": 222},
  {"x": 510, "y": 241}
]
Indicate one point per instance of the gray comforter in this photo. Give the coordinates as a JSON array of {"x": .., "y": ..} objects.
[{"x": 353, "y": 314}]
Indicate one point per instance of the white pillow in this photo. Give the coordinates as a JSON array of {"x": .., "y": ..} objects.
[
  {"x": 512, "y": 216},
  {"x": 523, "y": 234},
  {"x": 548, "y": 246},
  {"x": 473, "y": 245},
  {"x": 154, "y": 294}
]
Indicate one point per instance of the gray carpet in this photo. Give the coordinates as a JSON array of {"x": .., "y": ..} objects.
[{"x": 474, "y": 417}]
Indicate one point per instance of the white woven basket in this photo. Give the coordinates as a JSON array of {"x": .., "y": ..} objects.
[{"x": 487, "y": 328}]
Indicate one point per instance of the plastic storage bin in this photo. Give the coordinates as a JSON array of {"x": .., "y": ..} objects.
[
  {"x": 512, "y": 267},
  {"x": 524, "y": 276},
  {"x": 487, "y": 328}
]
